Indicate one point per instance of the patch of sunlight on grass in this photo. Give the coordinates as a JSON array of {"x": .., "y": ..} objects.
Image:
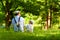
[
  {"x": 56, "y": 26},
  {"x": 53, "y": 33}
]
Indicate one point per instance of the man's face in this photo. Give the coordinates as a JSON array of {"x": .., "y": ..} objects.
[{"x": 19, "y": 14}]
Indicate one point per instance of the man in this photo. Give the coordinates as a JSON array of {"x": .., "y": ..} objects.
[{"x": 18, "y": 19}]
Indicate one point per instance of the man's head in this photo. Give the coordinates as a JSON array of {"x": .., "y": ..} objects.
[{"x": 17, "y": 13}]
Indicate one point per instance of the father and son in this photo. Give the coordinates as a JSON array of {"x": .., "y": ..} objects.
[{"x": 18, "y": 23}]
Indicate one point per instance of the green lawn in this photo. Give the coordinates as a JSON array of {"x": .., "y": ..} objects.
[{"x": 36, "y": 35}]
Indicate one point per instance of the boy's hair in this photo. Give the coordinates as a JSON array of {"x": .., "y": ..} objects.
[{"x": 31, "y": 22}]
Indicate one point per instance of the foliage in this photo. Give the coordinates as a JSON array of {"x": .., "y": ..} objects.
[{"x": 37, "y": 10}]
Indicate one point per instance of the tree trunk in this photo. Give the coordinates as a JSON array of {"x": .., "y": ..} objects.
[
  {"x": 7, "y": 15},
  {"x": 8, "y": 20},
  {"x": 46, "y": 23},
  {"x": 50, "y": 18}
]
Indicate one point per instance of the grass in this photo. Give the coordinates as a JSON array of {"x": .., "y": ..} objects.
[{"x": 38, "y": 34}]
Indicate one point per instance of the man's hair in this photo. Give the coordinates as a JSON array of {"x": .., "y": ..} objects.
[{"x": 17, "y": 12}]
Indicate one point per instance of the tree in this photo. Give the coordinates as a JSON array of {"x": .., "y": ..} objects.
[{"x": 7, "y": 6}]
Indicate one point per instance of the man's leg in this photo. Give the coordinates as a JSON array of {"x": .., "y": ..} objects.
[
  {"x": 22, "y": 28},
  {"x": 18, "y": 28},
  {"x": 15, "y": 28}
]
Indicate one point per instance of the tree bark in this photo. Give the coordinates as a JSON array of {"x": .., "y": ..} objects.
[
  {"x": 7, "y": 20},
  {"x": 50, "y": 19},
  {"x": 7, "y": 15},
  {"x": 46, "y": 22}
]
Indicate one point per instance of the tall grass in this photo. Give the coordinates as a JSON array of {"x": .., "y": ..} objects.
[{"x": 38, "y": 34}]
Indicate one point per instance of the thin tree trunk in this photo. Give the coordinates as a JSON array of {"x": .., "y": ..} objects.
[
  {"x": 46, "y": 23},
  {"x": 8, "y": 20},
  {"x": 50, "y": 18}
]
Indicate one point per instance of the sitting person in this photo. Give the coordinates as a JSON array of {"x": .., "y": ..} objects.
[
  {"x": 18, "y": 22},
  {"x": 30, "y": 26}
]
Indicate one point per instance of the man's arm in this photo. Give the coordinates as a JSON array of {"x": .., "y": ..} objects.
[{"x": 13, "y": 21}]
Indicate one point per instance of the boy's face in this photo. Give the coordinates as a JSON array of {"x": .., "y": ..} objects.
[{"x": 30, "y": 22}]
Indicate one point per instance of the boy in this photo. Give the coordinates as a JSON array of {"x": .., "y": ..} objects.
[{"x": 30, "y": 26}]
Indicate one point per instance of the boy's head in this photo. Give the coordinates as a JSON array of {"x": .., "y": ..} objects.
[{"x": 30, "y": 22}]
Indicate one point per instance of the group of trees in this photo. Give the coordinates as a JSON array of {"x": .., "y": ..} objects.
[{"x": 47, "y": 9}]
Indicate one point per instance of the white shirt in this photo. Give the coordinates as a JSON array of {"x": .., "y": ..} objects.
[
  {"x": 17, "y": 18},
  {"x": 30, "y": 27}
]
